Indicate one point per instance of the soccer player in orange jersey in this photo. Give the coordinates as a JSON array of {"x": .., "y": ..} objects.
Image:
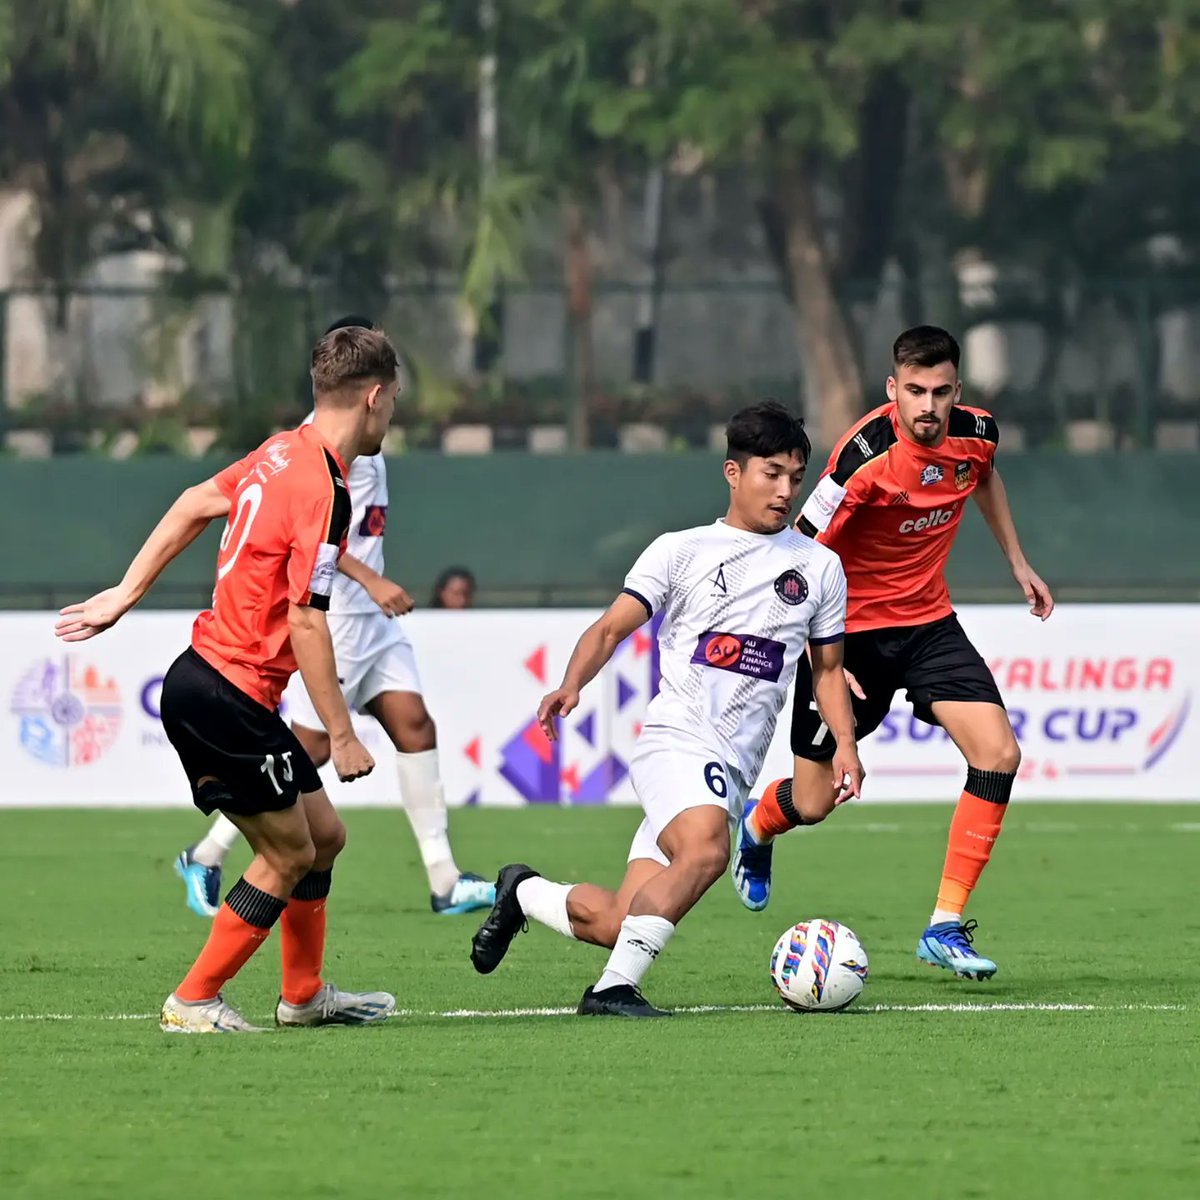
[
  {"x": 890, "y": 502},
  {"x": 287, "y": 511}
]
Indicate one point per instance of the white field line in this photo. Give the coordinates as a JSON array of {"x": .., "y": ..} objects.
[{"x": 456, "y": 1014}]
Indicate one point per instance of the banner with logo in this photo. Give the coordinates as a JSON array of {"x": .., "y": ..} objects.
[{"x": 1100, "y": 697}]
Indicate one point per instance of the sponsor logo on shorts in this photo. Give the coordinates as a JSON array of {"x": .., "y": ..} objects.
[
  {"x": 962, "y": 475},
  {"x": 745, "y": 654},
  {"x": 931, "y": 520},
  {"x": 68, "y": 714},
  {"x": 932, "y": 474},
  {"x": 791, "y": 587}
]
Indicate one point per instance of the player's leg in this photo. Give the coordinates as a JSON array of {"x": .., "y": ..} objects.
[
  {"x": 584, "y": 912},
  {"x": 306, "y": 998},
  {"x": 695, "y": 844},
  {"x": 199, "y": 866},
  {"x": 809, "y": 796},
  {"x": 402, "y": 713},
  {"x": 951, "y": 685},
  {"x": 984, "y": 734},
  {"x": 283, "y": 855}
]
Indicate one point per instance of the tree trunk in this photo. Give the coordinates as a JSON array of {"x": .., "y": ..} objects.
[
  {"x": 834, "y": 388},
  {"x": 578, "y": 268}
]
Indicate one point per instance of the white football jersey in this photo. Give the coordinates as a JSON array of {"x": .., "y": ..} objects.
[
  {"x": 738, "y": 608},
  {"x": 368, "y": 518}
]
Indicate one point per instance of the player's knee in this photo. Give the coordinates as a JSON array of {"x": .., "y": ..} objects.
[
  {"x": 813, "y": 807},
  {"x": 329, "y": 843},
  {"x": 417, "y": 735},
  {"x": 1004, "y": 758}
]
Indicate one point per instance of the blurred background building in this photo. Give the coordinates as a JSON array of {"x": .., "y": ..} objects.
[{"x": 595, "y": 229}]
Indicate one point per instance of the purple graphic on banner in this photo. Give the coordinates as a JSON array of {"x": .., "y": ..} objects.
[
  {"x": 587, "y": 729},
  {"x": 531, "y": 763},
  {"x": 743, "y": 653},
  {"x": 473, "y": 799},
  {"x": 597, "y": 786},
  {"x": 534, "y": 766}
]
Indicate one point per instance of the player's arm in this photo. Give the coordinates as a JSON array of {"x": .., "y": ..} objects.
[
  {"x": 826, "y": 640},
  {"x": 313, "y": 648},
  {"x": 832, "y": 695},
  {"x": 180, "y": 526},
  {"x": 392, "y": 599},
  {"x": 592, "y": 653},
  {"x": 316, "y": 532},
  {"x": 992, "y": 498}
]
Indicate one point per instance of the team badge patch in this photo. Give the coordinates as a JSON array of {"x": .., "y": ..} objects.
[
  {"x": 791, "y": 587},
  {"x": 932, "y": 474},
  {"x": 374, "y": 521},
  {"x": 962, "y": 475}
]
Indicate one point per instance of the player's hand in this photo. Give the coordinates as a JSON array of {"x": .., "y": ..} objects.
[
  {"x": 392, "y": 599},
  {"x": 351, "y": 759},
  {"x": 1041, "y": 603},
  {"x": 557, "y": 704},
  {"x": 848, "y": 773},
  {"x": 854, "y": 686},
  {"x": 90, "y": 617}
]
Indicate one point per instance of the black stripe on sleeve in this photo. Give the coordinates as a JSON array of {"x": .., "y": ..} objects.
[
  {"x": 639, "y": 597},
  {"x": 869, "y": 442}
]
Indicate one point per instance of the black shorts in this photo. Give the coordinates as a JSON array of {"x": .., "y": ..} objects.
[
  {"x": 222, "y": 735},
  {"x": 931, "y": 662}
]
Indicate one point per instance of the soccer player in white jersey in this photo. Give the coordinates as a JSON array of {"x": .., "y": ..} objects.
[
  {"x": 378, "y": 673},
  {"x": 741, "y": 599}
]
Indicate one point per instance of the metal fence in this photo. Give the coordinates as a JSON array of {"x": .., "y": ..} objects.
[{"x": 1090, "y": 364}]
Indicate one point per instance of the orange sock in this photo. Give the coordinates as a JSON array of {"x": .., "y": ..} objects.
[
  {"x": 302, "y": 938},
  {"x": 241, "y": 925},
  {"x": 774, "y": 813},
  {"x": 973, "y": 832}
]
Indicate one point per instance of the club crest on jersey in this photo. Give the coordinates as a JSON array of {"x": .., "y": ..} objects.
[
  {"x": 374, "y": 521},
  {"x": 962, "y": 475},
  {"x": 932, "y": 474},
  {"x": 791, "y": 587}
]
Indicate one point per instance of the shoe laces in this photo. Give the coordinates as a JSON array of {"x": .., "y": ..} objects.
[
  {"x": 963, "y": 936},
  {"x": 755, "y": 857}
]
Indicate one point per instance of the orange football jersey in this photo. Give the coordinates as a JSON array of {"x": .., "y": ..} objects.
[
  {"x": 890, "y": 509},
  {"x": 287, "y": 527}
]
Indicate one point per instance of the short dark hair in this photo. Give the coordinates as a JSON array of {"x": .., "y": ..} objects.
[
  {"x": 353, "y": 321},
  {"x": 352, "y": 355},
  {"x": 924, "y": 346},
  {"x": 763, "y": 429}
]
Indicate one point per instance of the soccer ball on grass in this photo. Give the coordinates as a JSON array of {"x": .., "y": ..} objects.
[{"x": 818, "y": 966}]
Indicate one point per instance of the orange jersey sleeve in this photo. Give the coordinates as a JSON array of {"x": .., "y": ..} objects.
[{"x": 317, "y": 535}]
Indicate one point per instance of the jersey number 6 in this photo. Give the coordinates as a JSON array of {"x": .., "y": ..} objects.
[{"x": 714, "y": 776}]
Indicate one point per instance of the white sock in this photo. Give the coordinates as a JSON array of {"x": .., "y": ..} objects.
[
  {"x": 941, "y": 915},
  {"x": 546, "y": 903},
  {"x": 210, "y": 851},
  {"x": 640, "y": 942},
  {"x": 425, "y": 803}
]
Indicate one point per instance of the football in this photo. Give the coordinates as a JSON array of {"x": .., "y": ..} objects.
[{"x": 818, "y": 966}]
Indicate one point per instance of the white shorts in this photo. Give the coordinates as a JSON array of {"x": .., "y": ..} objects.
[
  {"x": 673, "y": 771},
  {"x": 373, "y": 656}
]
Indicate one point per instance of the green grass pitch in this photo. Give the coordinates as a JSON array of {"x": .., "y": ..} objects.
[{"x": 1094, "y": 907}]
